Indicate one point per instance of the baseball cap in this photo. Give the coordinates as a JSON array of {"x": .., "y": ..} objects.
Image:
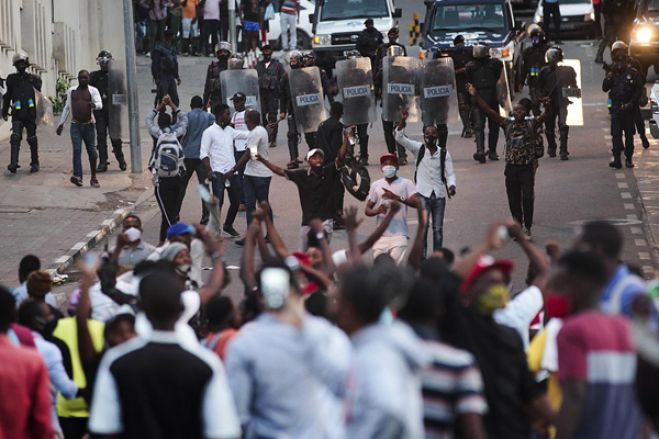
[
  {"x": 484, "y": 264},
  {"x": 393, "y": 30},
  {"x": 180, "y": 229},
  {"x": 238, "y": 97},
  {"x": 315, "y": 151},
  {"x": 388, "y": 156}
]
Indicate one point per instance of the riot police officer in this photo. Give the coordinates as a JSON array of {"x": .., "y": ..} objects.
[
  {"x": 286, "y": 111},
  {"x": 617, "y": 16},
  {"x": 270, "y": 72},
  {"x": 623, "y": 83},
  {"x": 533, "y": 60},
  {"x": 212, "y": 88},
  {"x": 461, "y": 56},
  {"x": 369, "y": 40},
  {"x": 392, "y": 50},
  {"x": 329, "y": 91},
  {"x": 643, "y": 101},
  {"x": 100, "y": 79},
  {"x": 484, "y": 72},
  {"x": 21, "y": 99},
  {"x": 552, "y": 81}
]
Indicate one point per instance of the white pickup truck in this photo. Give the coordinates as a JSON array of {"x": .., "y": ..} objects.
[{"x": 304, "y": 26}]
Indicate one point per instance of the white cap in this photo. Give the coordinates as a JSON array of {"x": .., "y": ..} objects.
[{"x": 314, "y": 152}]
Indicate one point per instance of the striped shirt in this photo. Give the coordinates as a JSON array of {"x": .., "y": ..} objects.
[
  {"x": 597, "y": 349},
  {"x": 451, "y": 386},
  {"x": 289, "y": 7}
]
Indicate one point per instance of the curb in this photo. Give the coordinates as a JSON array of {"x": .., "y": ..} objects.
[{"x": 61, "y": 264}]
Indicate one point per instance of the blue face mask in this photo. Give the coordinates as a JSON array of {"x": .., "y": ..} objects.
[
  {"x": 389, "y": 171},
  {"x": 536, "y": 40}
]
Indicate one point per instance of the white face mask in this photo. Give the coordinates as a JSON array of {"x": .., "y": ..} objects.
[
  {"x": 389, "y": 171},
  {"x": 183, "y": 269},
  {"x": 133, "y": 234}
]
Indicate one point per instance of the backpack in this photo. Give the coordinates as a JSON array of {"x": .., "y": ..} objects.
[
  {"x": 168, "y": 156},
  {"x": 442, "y": 163}
]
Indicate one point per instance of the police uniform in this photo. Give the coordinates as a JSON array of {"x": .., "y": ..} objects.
[
  {"x": 286, "y": 104},
  {"x": 618, "y": 14},
  {"x": 212, "y": 87},
  {"x": 21, "y": 100},
  {"x": 623, "y": 83},
  {"x": 638, "y": 116},
  {"x": 553, "y": 79},
  {"x": 100, "y": 79},
  {"x": 484, "y": 74},
  {"x": 461, "y": 57},
  {"x": 534, "y": 60},
  {"x": 270, "y": 75}
]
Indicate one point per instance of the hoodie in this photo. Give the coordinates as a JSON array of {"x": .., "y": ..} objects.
[{"x": 385, "y": 390}]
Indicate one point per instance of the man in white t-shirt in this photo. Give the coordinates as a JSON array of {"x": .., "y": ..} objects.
[
  {"x": 239, "y": 145},
  {"x": 394, "y": 241}
]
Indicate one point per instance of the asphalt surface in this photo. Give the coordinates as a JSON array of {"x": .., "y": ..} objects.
[{"x": 568, "y": 193}]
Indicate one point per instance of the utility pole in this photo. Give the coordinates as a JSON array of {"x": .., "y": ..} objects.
[
  {"x": 133, "y": 104},
  {"x": 232, "y": 26}
]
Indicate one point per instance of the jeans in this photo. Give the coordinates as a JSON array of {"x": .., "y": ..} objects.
[
  {"x": 83, "y": 132},
  {"x": 288, "y": 24},
  {"x": 435, "y": 207},
  {"x": 168, "y": 196},
  {"x": 194, "y": 166},
  {"x": 209, "y": 29},
  {"x": 520, "y": 184},
  {"x": 234, "y": 200},
  {"x": 255, "y": 189}
]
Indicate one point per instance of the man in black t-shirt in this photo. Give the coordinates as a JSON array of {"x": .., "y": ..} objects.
[{"x": 315, "y": 186}]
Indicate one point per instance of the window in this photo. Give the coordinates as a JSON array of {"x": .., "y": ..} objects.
[
  {"x": 487, "y": 18},
  {"x": 357, "y": 9}
]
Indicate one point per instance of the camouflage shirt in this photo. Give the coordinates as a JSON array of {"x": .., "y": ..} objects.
[{"x": 520, "y": 140}]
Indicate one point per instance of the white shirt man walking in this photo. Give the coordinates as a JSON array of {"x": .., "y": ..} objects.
[
  {"x": 435, "y": 178},
  {"x": 394, "y": 240}
]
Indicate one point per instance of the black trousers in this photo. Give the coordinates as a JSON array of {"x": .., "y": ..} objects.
[
  {"x": 269, "y": 110},
  {"x": 168, "y": 196},
  {"x": 520, "y": 184},
  {"x": 622, "y": 122},
  {"x": 102, "y": 127},
  {"x": 73, "y": 428},
  {"x": 293, "y": 137},
  {"x": 210, "y": 28},
  {"x": 553, "y": 117},
  {"x": 337, "y": 200},
  {"x": 194, "y": 166},
  {"x": 639, "y": 122},
  {"x": 598, "y": 19},
  {"x": 30, "y": 126},
  {"x": 464, "y": 107},
  {"x": 166, "y": 86},
  {"x": 392, "y": 146},
  {"x": 478, "y": 118},
  {"x": 362, "y": 133},
  {"x": 551, "y": 10}
]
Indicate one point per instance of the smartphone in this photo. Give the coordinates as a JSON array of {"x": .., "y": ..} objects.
[
  {"x": 503, "y": 233},
  {"x": 253, "y": 151},
  {"x": 275, "y": 287}
]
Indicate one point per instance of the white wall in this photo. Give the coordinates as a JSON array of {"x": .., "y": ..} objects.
[{"x": 61, "y": 37}]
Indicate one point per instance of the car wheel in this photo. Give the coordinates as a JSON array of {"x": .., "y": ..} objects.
[{"x": 303, "y": 41}]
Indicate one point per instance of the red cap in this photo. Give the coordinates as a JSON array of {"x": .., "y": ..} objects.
[
  {"x": 388, "y": 156},
  {"x": 484, "y": 264}
]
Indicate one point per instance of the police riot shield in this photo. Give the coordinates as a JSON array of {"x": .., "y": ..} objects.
[
  {"x": 245, "y": 81},
  {"x": 308, "y": 100},
  {"x": 355, "y": 82},
  {"x": 44, "y": 109},
  {"x": 439, "y": 99},
  {"x": 2, "y": 92},
  {"x": 569, "y": 73},
  {"x": 117, "y": 99},
  {"x": 399, "y": 79},
  {"x": 503, "y": 93}
]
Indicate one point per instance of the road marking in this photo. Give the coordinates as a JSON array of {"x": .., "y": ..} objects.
[
  {"x": 629, "y": 206},
  {"x": 644, "y": 256},
  {"x": 620, "y": 175},
  {"x": 632, "y": 217},
  {"x": 636, "y": 230},
  {"x": 623, "y": 185},
  {"x": 641, "y": 242},
  {"x": 626, "y": 195}
]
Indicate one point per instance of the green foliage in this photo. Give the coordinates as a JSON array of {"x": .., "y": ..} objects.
[{"x": 58, "y": 101}]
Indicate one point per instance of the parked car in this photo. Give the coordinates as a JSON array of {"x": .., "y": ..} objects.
[
  {"x": 577, "y": 18},
  {"x": 304, "y": 26},
  {"x": 654, "y": 108},
  {"x": 644, "y": 43},
  {"x": 478, "y": 21}
]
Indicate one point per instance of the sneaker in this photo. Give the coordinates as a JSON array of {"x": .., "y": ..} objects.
[
  {"x": 34, "y": 167},
  {"x": 493, "y": 156},
  {"x": 527, "y": 232},
  {"x": 615, "y": 164},
  {"x": 230, "y": 230},
  {"x": 12, "y": 168},
  {"x": 293, "y": 164},
  {"x": 122, "y": 165},
  {"x": 102, "y": 168},
  {"x": 75, "y": 180},
  {"x": 272, "y": 144},
  {"x": 363, "y": 161},
  {"x": 564, "y": 157},
  {"x": 551, "y": 153},
  {"x": 240, "y": 242},
  {"x": 402, "y": 161},
  {"x": 628, "y": 163},
  {"x": 94, "y": 183}
]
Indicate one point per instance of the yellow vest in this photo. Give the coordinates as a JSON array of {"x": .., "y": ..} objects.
[{"x": 66, "y": 331}]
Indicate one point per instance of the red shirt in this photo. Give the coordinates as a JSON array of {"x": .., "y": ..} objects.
[{"x": 25, "y": 406}]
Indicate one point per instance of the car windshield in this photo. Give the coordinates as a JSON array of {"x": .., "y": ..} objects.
[
  {"x": 474, "y": 17},
  {"x": 575, "y": 2},
  {"x": 653, "y": 6},
  {"x": 357, "y": 9}
]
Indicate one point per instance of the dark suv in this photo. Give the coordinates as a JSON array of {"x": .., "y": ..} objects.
[
  {"x": 644, "y": 43},
  {"x": 484, "y": 21}
]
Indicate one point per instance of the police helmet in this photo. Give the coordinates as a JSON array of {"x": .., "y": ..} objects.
[
  {"x": 619, "y": 46},
  {"x": 104, "y": 54},
  {"x": 295, "y": 55},
  {"x": 352, "y": 54},
  {"x": 236, "y": 62},
  {"x": 20, "y": 57},
  {"x": 308, "y": 59},
  {"x": 535, "y": 30},
  {"x": 395, "y": 50},
  {"x": 480, "y": 50},
  {"x": 223, "y": 45},
  {"x": 554, "y": 54}
]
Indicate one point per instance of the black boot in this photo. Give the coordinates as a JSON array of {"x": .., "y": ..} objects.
[
  {"x": 616, "y": 163},
  {"x": 645, "y": 141},
  {"x": 34, "y": 154},
  {"x": 13, "y": 161}
]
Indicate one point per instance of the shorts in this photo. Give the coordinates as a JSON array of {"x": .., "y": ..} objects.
[{"x": 251, "y": 26}]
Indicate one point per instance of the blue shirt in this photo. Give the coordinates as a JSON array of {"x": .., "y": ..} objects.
[
  {"x": 198, "y": 121},
  {"x": 624, "y": 294}
]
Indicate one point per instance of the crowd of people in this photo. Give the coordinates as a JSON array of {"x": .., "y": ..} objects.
[{"x": 327, "y": 344}]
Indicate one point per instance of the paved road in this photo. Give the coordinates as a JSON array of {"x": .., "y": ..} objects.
[{"x": 567, "y": 193}]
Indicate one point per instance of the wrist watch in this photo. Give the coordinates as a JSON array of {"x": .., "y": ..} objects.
[{"x": 402, "y": 198}]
